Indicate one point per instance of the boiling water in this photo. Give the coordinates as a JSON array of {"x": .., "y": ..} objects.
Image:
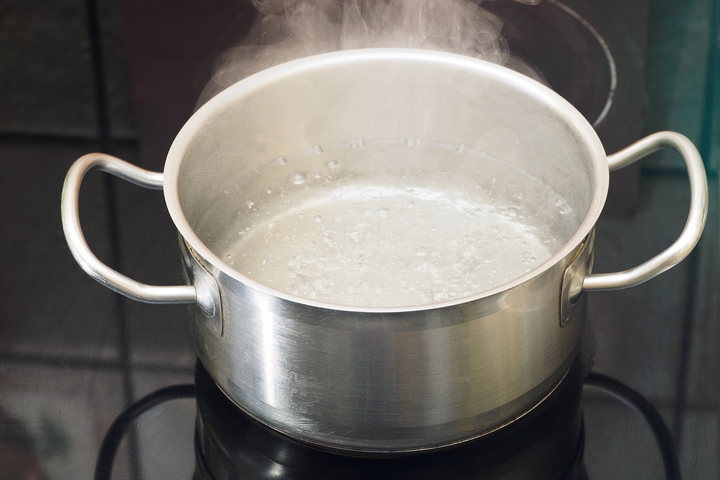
[{"x": 386, "y": 223}]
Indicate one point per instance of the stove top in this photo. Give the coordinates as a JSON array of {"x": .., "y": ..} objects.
[
  {"x": 548, "y": 442},
  {"x": 121, "y": 77}
]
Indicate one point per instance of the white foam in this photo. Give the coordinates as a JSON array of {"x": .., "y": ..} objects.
[{"x": 386, "y": 239}]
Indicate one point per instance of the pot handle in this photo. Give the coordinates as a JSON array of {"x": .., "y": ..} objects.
[
  {"x": 82, "y": 253},
  {"x": 693, "y": 227}
]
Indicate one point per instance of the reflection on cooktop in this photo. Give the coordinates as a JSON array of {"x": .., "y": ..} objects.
[{"x": 548, "y": 442}]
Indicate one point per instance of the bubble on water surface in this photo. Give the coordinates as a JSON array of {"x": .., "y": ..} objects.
[
  {"x": 491, "y": 256},
  {"x": 331, "y": 266},
  {"x": 527, "y": 257},
  {"x": 298, "y": 178},
  {"x": 441, "y": 296}
]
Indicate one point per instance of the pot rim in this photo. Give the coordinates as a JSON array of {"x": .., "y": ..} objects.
[{"x": 555, "y": 102}]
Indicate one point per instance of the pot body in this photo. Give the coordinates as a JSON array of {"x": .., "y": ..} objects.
[
  {"x": 386, "y": 379},
  {"x": 394, "y": 381}
]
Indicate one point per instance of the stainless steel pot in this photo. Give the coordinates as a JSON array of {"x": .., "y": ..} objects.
[{"x": 400, "y": 378}]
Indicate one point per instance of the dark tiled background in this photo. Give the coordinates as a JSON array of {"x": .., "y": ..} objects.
[{"x": 73, "y": 355}]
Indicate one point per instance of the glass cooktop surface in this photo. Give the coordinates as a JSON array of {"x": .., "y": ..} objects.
[{"x": 94, "y": 384}]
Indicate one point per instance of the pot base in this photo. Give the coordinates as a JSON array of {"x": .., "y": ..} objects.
[
  {"x": 547, "y": 439},
  {"x": 397, "y": 441}
]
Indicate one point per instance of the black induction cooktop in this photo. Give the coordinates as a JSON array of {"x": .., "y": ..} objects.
[{"x": 93, "y": 383}]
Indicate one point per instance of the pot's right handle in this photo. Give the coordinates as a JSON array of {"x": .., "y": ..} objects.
[
  {"x": 695, "y": 222},
  {"x": 90, "y": 263}
]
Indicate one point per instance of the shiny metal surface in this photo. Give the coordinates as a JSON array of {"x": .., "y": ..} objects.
[
  {"x": 571, "y": 289},
  {"x": 394, "y": 381},
  {"x": 690, "y": 235},
  {"x": 398, "y": 378},
  {"x": 548, "y": 435},
  {"x": 80, "y": 249},
  {"x": 386, "y": 379}
]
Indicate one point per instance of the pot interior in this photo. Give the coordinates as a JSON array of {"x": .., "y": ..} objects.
[{"x": 385, "y": 178}]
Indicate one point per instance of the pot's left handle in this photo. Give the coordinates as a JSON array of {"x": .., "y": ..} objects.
[{"x": 84, "y": 256}]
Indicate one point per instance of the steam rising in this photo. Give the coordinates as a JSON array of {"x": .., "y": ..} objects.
[{"x": 290, "y": 29}]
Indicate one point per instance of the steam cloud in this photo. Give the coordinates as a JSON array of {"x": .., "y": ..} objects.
[{"x": 290, "y": 29}]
